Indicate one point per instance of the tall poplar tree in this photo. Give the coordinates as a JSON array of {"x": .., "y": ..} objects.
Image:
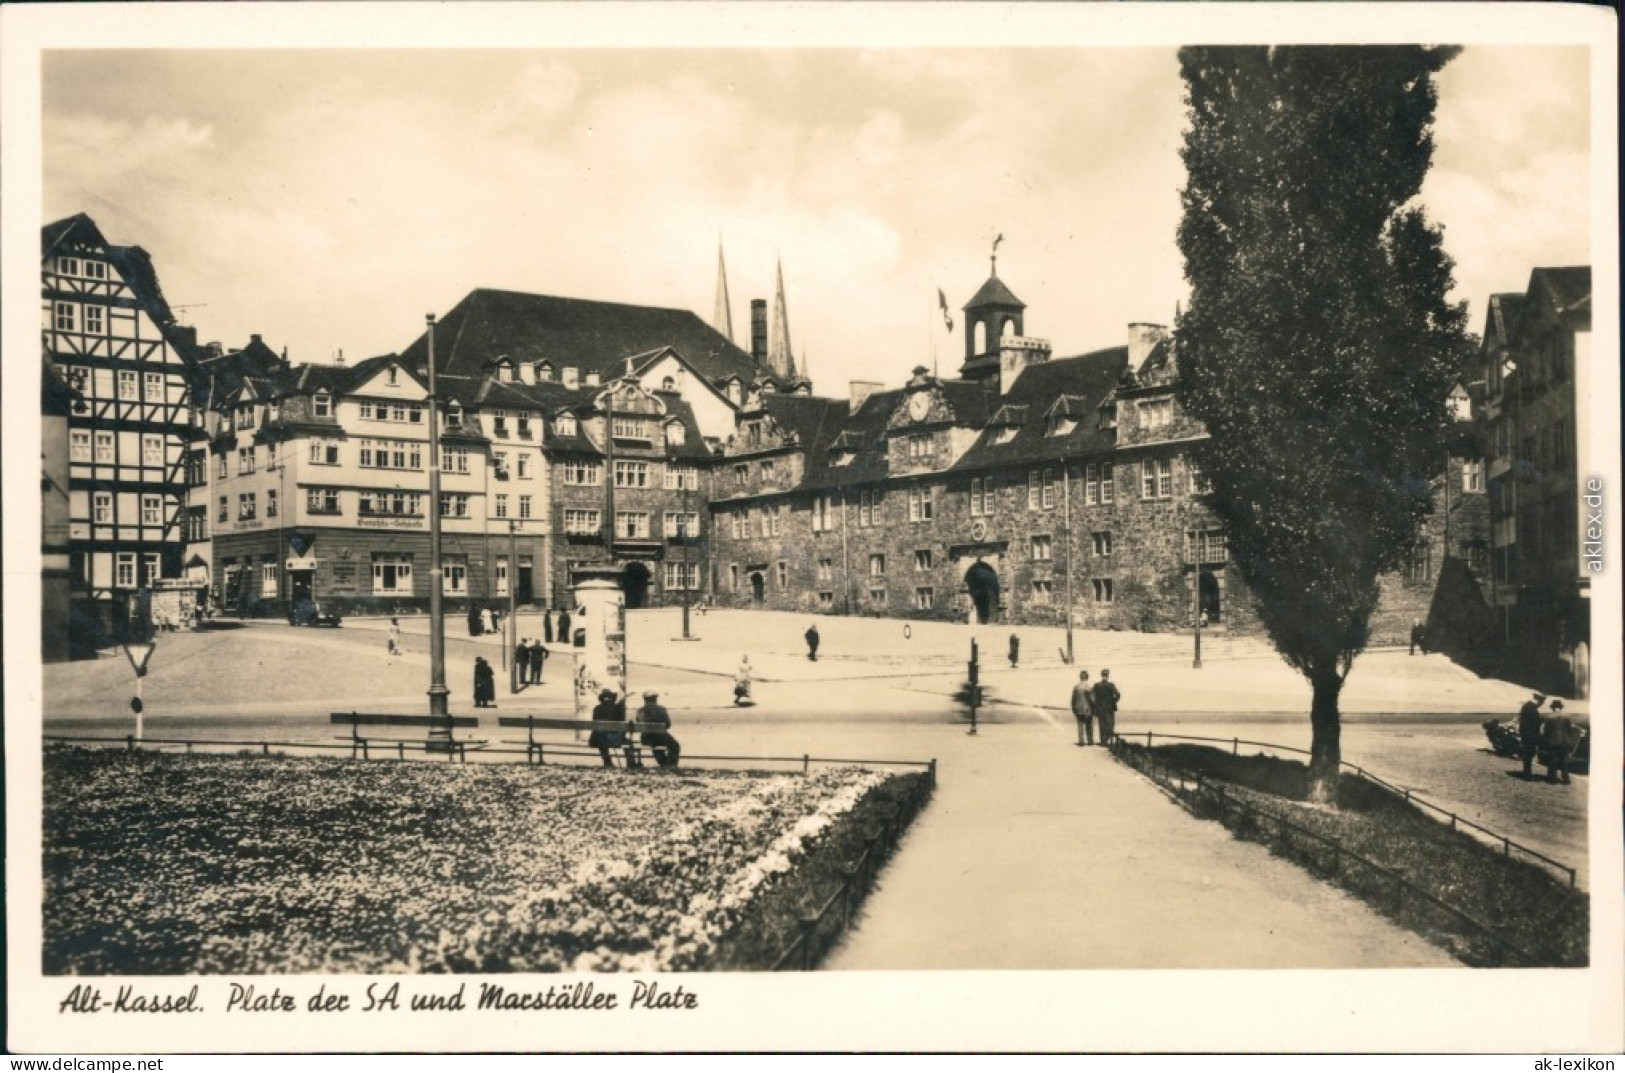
[{"x": 1318, "y": 346}]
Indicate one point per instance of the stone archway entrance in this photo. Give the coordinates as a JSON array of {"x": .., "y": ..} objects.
[
  {"x": 635, "y": 584},
  {"x": 758, "y": 588},
  {"x": 982, "y": 581}
]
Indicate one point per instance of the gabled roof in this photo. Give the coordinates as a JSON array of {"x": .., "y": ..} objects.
[
  {"x": 1568, "y": 288},
  {"x": 1084, "y": 381},
  {"x": 994, "y": 293},
  {"x": 592, "y": 336},
  {"x": 133, "y": 264},
  {"x": 228, "y": 373},
  {"x": 78, "y": 228}
]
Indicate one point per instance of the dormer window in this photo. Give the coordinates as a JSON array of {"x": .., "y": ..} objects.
[
  {"x": 544, "y": 371},
  {"x": 505, "y": 372},
  {"x": 669, "y": 384},
  {"x": 321, "y": 404},
  {"x": 1062, "y": 424},
  {"x": 1004, "y": 434},
  {"x": 566, "y": 425},
  {"x": 674, "y": 434},
  {"x": 454, "y": 416},
  {"x": 631, "y": 428},
  {"x": 1156, "y": 413},
  {"x": 394, "y": 376},
  {"x": 732, "y": 390},
  {"x": 1108, "y": 415}
]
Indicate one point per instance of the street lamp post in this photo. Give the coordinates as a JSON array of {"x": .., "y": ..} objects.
[
  {"x": 437, "y": 619},
  {"x": 510, "y": 636}
]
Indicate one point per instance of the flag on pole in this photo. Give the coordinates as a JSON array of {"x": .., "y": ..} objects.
[
  {"x": 942, "y": 300},
  {"x": 998, "y": 240}
]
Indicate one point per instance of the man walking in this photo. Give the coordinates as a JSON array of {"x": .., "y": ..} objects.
[
  {"x": 1083, "y": 709},
  {"x": 1529, "y": 732},
  {"x": 1560, "y": 738},
  {"x": 538, "y": 658},
  {"x": 1015, "y": 650},
  {"x": 1417, "y": 638},
  {"x": 1105, "y": 697},
  {"x": 812, "y": 642}
]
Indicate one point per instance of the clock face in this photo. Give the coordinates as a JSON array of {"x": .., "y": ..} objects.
[{"x": 919, "y": 404}]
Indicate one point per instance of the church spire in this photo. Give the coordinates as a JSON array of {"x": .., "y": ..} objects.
[
  {"x": 779, "y": 356},
  {"x": 722, "y": 317}
]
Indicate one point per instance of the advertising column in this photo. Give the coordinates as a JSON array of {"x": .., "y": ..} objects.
[{"x": 599, "y": 625}]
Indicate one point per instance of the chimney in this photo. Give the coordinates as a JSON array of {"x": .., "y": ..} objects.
[
  {"x": 571, "y": 378},
  {"x": 593, "y": 380},
  {"x": 1016, "y": 353},
  {"x": 216, "y": 348},
  {"x": 1142, "y": 340},
  {"x": 758, "y": 330},
  {"x": 861, "y": 390},
  {"x": 254, "y": 340}
]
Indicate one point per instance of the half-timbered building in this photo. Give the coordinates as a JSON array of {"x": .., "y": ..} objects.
[{"x": 108, "y": 329}]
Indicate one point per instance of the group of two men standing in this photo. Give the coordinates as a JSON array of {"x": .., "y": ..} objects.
[{"x": 1095, "y": 702}]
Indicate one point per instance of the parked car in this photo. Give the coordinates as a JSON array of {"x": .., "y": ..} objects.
[
  {"x": 312, "y": 613},
  {"x": 1504, "y": 741}
]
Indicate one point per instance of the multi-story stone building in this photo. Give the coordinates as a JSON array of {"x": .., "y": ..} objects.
[
  {"x": 1537, "y": 357},
  {"x": 108, "y": 330},
  {"x": 1025, "y": 486}
]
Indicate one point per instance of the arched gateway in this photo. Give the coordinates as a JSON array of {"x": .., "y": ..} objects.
[{"x": 983, "y": 583}]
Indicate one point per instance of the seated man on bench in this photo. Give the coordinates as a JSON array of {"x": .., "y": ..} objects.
[
  {"x": 610, "y": 710},
  {"x": 660, "y": 742}
]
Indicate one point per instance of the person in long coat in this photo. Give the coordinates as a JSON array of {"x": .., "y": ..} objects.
[
  {"x": 1560, "y": 737},
  {"x": 1104, "y": 698},
  {"x": 812, "y": 642},
  {"x": 1015, "y": 650},
  {"x": 564, "y": 628},
  {"x": 521, "y": 661},
  {"x": 1083, "y": 709},
  {"x": 473, "y": 621},
  {"x": 538, "y": 657},
  {"x": 547, "y": 627},
  {"x": 1529, "y": 725},
  {"x": 485, "y": 684}
]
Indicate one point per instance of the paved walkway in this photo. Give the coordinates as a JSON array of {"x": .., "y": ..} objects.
[{"x": 1036, "y": 854}]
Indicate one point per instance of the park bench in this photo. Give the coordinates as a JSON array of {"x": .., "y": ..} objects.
[
  {"x": 359, "y": 742},
  {"x": 534, "y": 749}
]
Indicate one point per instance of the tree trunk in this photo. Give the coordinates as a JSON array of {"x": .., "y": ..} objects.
[{"x": 1325, "y": 747}]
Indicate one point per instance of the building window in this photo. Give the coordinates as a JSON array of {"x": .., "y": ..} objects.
[
  {"x": 153, "y": 387},
  {"x": 1419, "y": 562},
  {"x": 919, "y": 447},
  {"x": 770, "y": 470},
  {"x": 67, "y": 317},
  {"x": 1091, "y": 484},
  {"x": 324, "y": 453},
  {"x": 581, "y": 522},
  {"x": 124, "y": 569},
  {"x": 270, "y": 503},
  {"x": 152, "y": 510},
  {"x": 1156, "y": 478},
  {"x": 1041, "y": 549},
  {"x": 821, "y": 510},
  {"x": 776, "y": 519},
  {"x": 196, "y": 464},
  {"x": 499, "y": 422},
  {"x": 1103, "y": 590},
  {"x": 784, "y": 574},
  {"x": 981, "y": 497},
  {"x": 631, "y": 474},
  {"x": 741, "y": 476},
  {"x": 391, "y": 454},
  {"x": 225, "y": 509},
  {"x": 78, "y": 446},
  {"x": 925, "y": 598},
  {"x": 632, "y": 524},
  {"x": 454, "y": 459},
  {"x": 682, "y": 524},
  {"x": 826, "y": 569},
  {"x": 877, "y": 565},
  {"x": 126, "y": 385},
  {"x": 321, "y": 404},
  {"x": 245, "y": 460},
  {"x": 869, "y": 509},
  {"x": 391, "y": 574},
  {"x": 322, "y": 500},
  {"x": 1200, "y": 485},
  {"x": 826, "y": 599},
  {"x": 877, "y": 595},
  {"x": 1208, "y": 546},
  {"x": 67, "y": 266},
  {"x": 453, "y": 505},
  {"x": 95, "y": 320},
  {"x": 681, "y": 576},
  {"x": 1107, "y": 484},
  {"x": 923, "y": 559},
  {"x": 1102, "y": 543},
  {"x": 741, "y": 523},
  {"x": 453, "y": 576},
  {"x": 1041, "y": 489},
  {"x": 104, "y": 449},
  {"x": 685, "y": 478},
  {"x": 247, "y": 508},
  {"x": 1043, "y": 591},
  {"x": 675, "y": 436},
  {"x": 1472, "y": 476},
  {"x": 524, "y": 466},
  {"x": 766, "y": 522},
  {"x": 565, "y": 425},
  {"x": 197, "y": 526},
  {"x": 524, "y": 507},
  {"x": 1156, "y": 413},
  {"x": 499, "y": 463},
  {"x": 919, "y": 504},
  {"x": 504, "y": 372},
  {"x": 101, "y": 507},
  {"x": 152, "y": 450},
  {"x": 631, "y": 428},
  {"x": 583, "y": 473}
]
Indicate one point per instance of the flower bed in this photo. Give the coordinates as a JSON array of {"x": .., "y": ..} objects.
[{"x": 161, "y": 864}]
